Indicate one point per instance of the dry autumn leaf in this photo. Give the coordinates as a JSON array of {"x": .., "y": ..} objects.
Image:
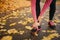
[
  {"x": 12, "y": 24},
  {"x": 12, "y": 31},
  {"x": 21, "y": 32},
  {"x": 20, "y": 22},
  {"x": 51, "y": 36},
  {"x": 30, "y": 20},
  {"x": 1, "y": 26},
  {"x": 28, "y": 27},
  {"x": 24, "y": 23},
  {"x": 7, "y": 38},
  {"x": 3, "y": 30}
]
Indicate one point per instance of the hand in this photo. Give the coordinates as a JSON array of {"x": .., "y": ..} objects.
[{"x": 36, "y": 24}]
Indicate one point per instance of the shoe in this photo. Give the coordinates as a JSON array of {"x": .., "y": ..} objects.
[
  {"x": 39, "y": 28},
  {"x": 34, "y": 32},
  {"x": 51, "y": 25}
]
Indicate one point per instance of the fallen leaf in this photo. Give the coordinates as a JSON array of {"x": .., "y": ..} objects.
[{"x": 6, "y": 38}]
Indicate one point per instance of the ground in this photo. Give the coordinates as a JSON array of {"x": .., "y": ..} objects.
[{"x": 16, "y": 25}]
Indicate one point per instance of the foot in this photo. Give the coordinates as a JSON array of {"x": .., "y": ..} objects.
[
  {"x": 51, "y": 25},
  {"x": 34, "y": 32},
  {"x": 36, "y": 29}
]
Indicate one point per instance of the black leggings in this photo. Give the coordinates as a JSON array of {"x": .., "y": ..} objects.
[{"x": 51, "y": 12}]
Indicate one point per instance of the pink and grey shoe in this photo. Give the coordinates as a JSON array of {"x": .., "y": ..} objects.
[{"x": 51, "y": 25}]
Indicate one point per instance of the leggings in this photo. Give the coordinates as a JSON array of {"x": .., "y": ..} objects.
[{"x": 51, "y": 11}]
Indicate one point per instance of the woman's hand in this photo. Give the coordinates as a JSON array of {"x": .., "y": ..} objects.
[{"x": 35, "y": 25}]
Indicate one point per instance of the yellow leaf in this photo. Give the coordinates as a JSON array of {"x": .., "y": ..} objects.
[
  {"x": 12, "y": 24},
  {"x": 1, "y": 26},
  {"x": 24, "y": 23},
  {"x": 20, "y": 22},
  {"x": 12, "y": 31},
  {"x": 7, "y": 38},
  {"x": 28, "y": 27},
  {"x": 21, "y": 32}
]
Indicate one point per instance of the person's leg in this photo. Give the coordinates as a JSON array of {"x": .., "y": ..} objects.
[
  {"x": 37, "y": 11},
  {"x": 51, "y": 14},
  {"x": 45, "y": 7},
  {"x": 52, "y": 10},
  {"x": 37, "y": 8},
  {"x": 33, "y": 9}
]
